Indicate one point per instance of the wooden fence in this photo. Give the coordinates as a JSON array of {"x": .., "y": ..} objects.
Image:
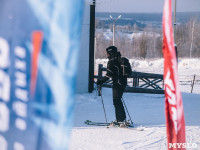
[{"x": 138, "y": 82}]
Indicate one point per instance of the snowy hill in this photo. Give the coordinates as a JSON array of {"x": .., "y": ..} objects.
[{"x": 146, "y": 110}]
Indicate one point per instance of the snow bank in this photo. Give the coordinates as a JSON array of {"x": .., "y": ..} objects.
[
  {"x": 187, "y": 69},
  {"x": 156, "y": 65}
]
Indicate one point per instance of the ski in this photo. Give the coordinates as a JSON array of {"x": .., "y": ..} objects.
[
  {"x": 115, "y": 125},
  {"x": 112, "y": 124},
  {"x": 88, "y": 122}
]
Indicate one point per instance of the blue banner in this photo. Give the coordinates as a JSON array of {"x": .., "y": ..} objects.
[{"x": 39, "y": 45}]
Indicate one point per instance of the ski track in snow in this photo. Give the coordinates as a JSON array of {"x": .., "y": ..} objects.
[
  {"x": 146, "y": 110},
  {"x": 101, "y": 138}
]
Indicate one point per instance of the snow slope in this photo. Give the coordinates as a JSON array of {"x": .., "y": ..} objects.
[{"x": 146, "y": 110}]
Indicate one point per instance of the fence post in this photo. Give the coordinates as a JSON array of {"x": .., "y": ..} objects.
[
  {"x": 193, "y": 83},
  {"x": 100, "y": 71},
  {"x": 135, "y": 82}
]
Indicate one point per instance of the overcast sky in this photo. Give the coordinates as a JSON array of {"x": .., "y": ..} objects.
[{"x": 144, "y": 6}]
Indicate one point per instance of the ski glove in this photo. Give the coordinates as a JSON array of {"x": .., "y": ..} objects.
[
  {"x": 99, "y": 82},
  {"x": 102, "y": 80}
]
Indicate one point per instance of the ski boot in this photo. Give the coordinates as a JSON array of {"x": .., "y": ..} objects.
[{"x": 125, "y": 124}]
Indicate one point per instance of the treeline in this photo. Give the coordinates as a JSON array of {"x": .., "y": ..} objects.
[{"x": 147, "y": 43}]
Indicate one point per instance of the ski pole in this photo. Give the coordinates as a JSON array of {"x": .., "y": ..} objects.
[
  {"x": 100, "y": 94},
  {"x": 99, "y": 90},
  {"x": 127, "y": 110}
]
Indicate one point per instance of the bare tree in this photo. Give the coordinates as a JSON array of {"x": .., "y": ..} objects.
[
  {"x": 191, "y": 32},
  {"x": 148, "y": 42},
  {"x": 196, "y": 41},
  {"x": 182, "y": 40}
]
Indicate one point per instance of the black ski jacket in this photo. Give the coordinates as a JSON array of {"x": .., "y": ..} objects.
[{"x": 114, "y": 71}]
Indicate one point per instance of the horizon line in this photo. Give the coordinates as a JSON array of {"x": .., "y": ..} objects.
[{"x": 147, "y": 12}]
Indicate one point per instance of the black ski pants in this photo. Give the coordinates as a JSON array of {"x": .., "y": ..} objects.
[{"x": 118, "y": 91}]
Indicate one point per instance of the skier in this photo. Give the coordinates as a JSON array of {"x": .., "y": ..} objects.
[{"x": 119, "y": 82}]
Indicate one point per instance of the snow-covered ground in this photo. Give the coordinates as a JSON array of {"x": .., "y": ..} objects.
[
  {"x": 146, "y": 110},
  {"x": 187, "y": 69},
  {"x": 156, "y": 65}
]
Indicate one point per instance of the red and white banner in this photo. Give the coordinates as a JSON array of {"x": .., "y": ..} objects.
[{"x": 173, "y": 101}]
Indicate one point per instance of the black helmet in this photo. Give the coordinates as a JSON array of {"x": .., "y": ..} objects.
[{"x": 111, "y": 50}]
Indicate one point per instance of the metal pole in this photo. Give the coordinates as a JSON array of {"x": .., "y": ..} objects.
[
  {"x": 114, "y": 21},
  {"x": 113, "y": 33},
  {"x": 95, "y": 40},
  {"x": 91, "y": 48},
  {"x": 127, "y": 111},
  {"x": 193, "y": 83},
  {"x": 100, "y": 94},
  {"x": 175, "y": 46},
  {"x": 175, "y": 21}
]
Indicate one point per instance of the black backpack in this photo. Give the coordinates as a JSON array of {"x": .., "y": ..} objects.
[{"x": 125, "y": 66}]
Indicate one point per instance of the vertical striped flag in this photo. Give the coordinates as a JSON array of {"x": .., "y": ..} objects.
[{"x": 173, "y": 101}]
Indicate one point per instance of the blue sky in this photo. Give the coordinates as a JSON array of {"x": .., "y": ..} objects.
[{"x": 144, "y": 6}]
